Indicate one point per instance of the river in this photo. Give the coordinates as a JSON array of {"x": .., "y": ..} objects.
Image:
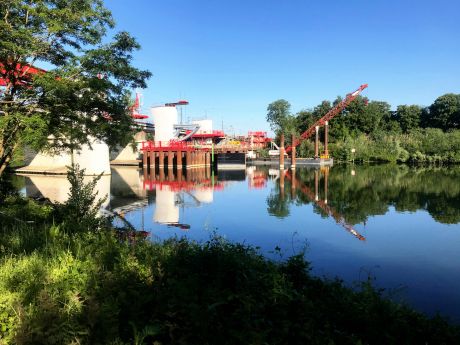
[{"x": 396, "y": 225}]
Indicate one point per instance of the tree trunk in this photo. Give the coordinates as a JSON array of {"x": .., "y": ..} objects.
[{"x": 3, "y": 164}]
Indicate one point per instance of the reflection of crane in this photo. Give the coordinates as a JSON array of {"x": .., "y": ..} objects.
[
  {"x": 329, "y": 116},
  {"x": 331, "y": 212}
]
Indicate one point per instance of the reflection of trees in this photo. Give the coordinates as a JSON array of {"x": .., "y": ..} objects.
[
  {"x": 279, "y": 199},
  {"x": 373, "y": 189}
]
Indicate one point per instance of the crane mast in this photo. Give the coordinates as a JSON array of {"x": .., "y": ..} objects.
[{"x": 329, "y": 116}]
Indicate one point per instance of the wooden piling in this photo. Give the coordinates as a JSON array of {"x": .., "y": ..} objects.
[
  {"x": 282, "y": 152},
  {"x": 161, "y": 159}
]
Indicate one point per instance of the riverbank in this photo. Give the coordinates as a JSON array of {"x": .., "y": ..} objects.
[{"x": 66, "y": 278}]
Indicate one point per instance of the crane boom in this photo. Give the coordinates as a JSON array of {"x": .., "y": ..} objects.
[{"x": 329, "y": 116}]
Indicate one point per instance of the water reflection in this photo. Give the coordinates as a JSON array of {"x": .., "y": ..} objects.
[
  {"x": 348, "y": 194},
  {"x": 353, "y": 194},
  {"x": 56, "y": 188},
  {"x": 170, "y": 190}
]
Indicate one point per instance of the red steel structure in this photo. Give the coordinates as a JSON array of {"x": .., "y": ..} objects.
[
  {"x": 135, "y": 109},
  {"x": 22, "y": 74},
  {"x": 329, "y": 116}
]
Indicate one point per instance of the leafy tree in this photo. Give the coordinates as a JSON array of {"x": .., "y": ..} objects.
[
  {"x": 444, "y": 113},
  {"x": 408, "y": 116},
  {"x": 304, "y": 120},
  {"x": 278, "y": 115},
  {"x": 84, "y": 93}
]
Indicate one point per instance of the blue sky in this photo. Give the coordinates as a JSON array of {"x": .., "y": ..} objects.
[{"x": 230, "y": 59}]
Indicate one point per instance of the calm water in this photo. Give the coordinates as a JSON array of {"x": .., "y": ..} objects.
[{"x": 397, "y": 224}]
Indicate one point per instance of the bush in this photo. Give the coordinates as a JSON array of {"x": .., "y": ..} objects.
[{"x": 81, "y": 210}]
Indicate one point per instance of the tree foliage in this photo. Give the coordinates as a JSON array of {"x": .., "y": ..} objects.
[
  {"x": 278, "y": 114},
  {"x": 83, "y": 95},
  {"x": 444, "y": 113},
  {"x": 409, "y": 117},
  {"x": 411, "y": 133}
]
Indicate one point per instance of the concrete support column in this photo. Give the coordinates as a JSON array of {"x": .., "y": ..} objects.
[
  {"x": 161, "y": 159},
  {"x": 317, "y": 142},
  {"x": 293, "y": 153},
  {"x": 179, "y": 160},
  {"x": 326, "y": 130},
  {"x": 170, "y": 159},
  {"x": 188, "y": 158},
  {"x": 282, "y": 152}
]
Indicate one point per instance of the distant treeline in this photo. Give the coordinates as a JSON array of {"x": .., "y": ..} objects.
[{"x": 377, "y": 133}]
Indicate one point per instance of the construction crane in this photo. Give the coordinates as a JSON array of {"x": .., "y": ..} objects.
[
  {"x": 329, "y": 116},
  {"x": 136, "y": 108}
]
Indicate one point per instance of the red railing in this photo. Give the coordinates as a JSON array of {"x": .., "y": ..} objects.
[
  {"x": 173, "y": 145},
  {"x": 210, "y": 134},
  {"x": 257, "y": 134}
]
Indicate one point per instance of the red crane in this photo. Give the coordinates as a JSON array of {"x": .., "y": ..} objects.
[
  {"x": 329, "y": 116},
  {"x": 136, "y": 107}
]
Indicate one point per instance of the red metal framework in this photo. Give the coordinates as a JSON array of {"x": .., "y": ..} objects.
[
  {"x": 174, "y": 104},
  {"x": 177, "y": 186},
  {"x": 135, "y": 109},
  {"x": 329, "y": 116},
  {"x": 213, "y": 134},
  {"x": 172, "y": 145},
  {"x": 22, "y": 74}
]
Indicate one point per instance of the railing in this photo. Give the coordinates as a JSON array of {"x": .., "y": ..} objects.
[
  {"x": 167, "y": 145},
  {"x": 208, "y": 134},
  {"x": 257, "y": 134}
]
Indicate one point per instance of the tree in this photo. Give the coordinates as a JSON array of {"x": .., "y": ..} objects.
[
  {"x": 444, "y": 113},
  {"x": 84, "y": 93},
  {"x": 278, "y": 115},
  {"x": 409, "y": 117}
]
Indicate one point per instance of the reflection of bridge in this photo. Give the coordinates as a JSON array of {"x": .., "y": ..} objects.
[
  {"x": 172, "y": 191},
  {"x": 314, "y": 197}
]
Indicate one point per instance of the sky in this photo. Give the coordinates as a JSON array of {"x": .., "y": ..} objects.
[{"x": 231, "y": 58}]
